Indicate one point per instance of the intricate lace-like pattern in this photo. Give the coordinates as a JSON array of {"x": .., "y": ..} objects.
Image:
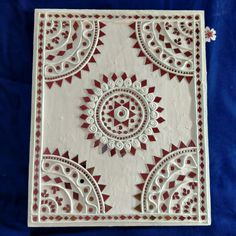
[
  {"x": 70, "y": 47},
  {"x": 167, "y": 46},
  {"x": 70, "y": 187},
  {"x": 121, "y": 113}
]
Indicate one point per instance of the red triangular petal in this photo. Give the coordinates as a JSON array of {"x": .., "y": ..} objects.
[
  {"x": 47, "y": 152},
  {"x": 66, "y": 154},
  {"x": 56, "y": 152},
  {"x": 75, "y": 159},
  {"x": 49, "y": 84},
  {"x": 191, "y": 144}
]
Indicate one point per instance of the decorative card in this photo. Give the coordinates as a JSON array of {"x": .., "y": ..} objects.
[{"x": 119, "y": 119}]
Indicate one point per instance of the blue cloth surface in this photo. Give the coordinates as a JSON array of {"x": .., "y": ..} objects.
[{"x": 16, "y": 40}]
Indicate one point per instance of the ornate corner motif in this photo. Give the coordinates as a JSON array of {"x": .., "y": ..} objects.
[
  {"x": 121, "y": 113},
  {"x": 70, "y": 46},
  {"x": 167, "y": 46},
  {"x": 68, "y": 186},
  {"x": 170, "y": 186}
]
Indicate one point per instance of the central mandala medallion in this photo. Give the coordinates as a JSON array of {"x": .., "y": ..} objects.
[{"x": 122, "y": 114}]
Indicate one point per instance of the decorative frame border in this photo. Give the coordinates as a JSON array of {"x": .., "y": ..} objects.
[{"x": 36, "y": 149}]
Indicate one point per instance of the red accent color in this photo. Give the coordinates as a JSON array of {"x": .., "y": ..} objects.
[
  {"x": 144, "y": 176},
  {"x": 96, "y": 143},
  {"x": 181, "y": 177},
  {"x": 96, "y": 51},
  {"x": 191, "y": 144},
  {"x": 164, "y": 152},
  {"x": 105, "y": 197},
  {"x": 56, "y": 152},
  {"x": 133, "y": 35},
  {"x": 75, "y": 25},
  {"x": 90, "y": 136},
  {"x": 107, "y": 208},
  {"x": 159, "y": 109},
  {"x": 157, "y": 99},
  {"x": 147, "y": 61},
  {"x": 90, "y": 91},
  {"x": 97, "y": 177},
  {"x": 163, "y": 72},
  {"x": 46, "y": 178},
  {"x": 85, "y": 125},
  {"x": 132, "y": 26},
  {"x": 78, "y": 74},
  {"x": 133, "y": 150},
  {"x": 144, "y": 83},
  {"x": 182, "y": 145},
  {"x": 114, "y": 77},
  {"x": 122, "y": 152},
  {"x": 50, "y": 57},
  {"x": 101, "y": 25},
  {"x": 86, "y": 99},
  {"x": 160, "y": 120},
  {"x": 49, "y": 84},
  {"x": 47, "y": 152},
  {"x": 113, "y": 152},
  {"x": 101, "y": 33},
  {"x": 143, "y": 146},
  {"x": 173, "y": 148},
  {"x": 59, "y": 82},
  {"x": 97, "y": 83},
  {"x": 76, "y": 159},
  {"x": 157, "y": 159},
  {"x": 92, "y": 60},
  {"x": 68, "y": 79},
  {"x": 84, "y": 164},
  {"x": 58, "y": 180},
  {"x": 154, "y": 67},
  {"x": 179, "y": 77},
  {"x": 155, "y": 130},
  {"x": 164, "y": 207},
  {"x": 165, "y": 195},
  {"x": 99, "y": 42},
  {"x": 61, "y": 53},
  {"x": 86, "y": 67},
  {"x": 151, "y": 89},
  {"x": 136, "y": 45},
  {"x": 101, "y": 186},
  {"x": 150, "y": 166},
  {"x": 172, "y": 184},
  {"x": 191, "y": 174},
  {"x": 83, "y": 107},
  {"x": 158, "y": 27},
  {"x": 140, "y": 186},
  {"x": 151, "y": 138},
  {"x": 189, "y": 79},
  {"x": 141, "y": 54},
  {"x": 171, "y": 76},
  {"x": 69, "y": 46},
  {"x": 133, "y": 78},
  {"x": 124, "y": 76},
  {"x": 105, "y": 79},
  {"x": 66, "y": 154}
]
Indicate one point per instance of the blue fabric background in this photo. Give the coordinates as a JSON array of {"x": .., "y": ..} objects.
[{"x": 16, "y": 31}]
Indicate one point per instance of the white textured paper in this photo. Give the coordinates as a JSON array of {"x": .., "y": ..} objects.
[{"x": 119, "y": 132}]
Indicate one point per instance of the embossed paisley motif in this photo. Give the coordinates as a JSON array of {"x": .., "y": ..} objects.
[
  {"x": 121, "y": 113},
  {"x": 167, "y": 46},
  {"x": 70, "y": 187},
  {"x": 70, "y": 47},
  {"x": 171, "y": 184}
]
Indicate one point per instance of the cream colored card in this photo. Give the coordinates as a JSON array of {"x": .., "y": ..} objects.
[{"x": 119, "y": 119}]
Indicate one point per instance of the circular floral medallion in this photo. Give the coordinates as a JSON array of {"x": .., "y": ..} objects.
[{"x": 121, "y": 113}]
